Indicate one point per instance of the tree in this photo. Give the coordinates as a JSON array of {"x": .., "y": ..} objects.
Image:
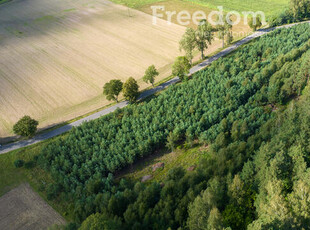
[
  {"x": 300, "y": 202},
  {"x": 215, "y": 220},
  {"x": 240, "y": 211},
  {"x": 26, "y": 127},
  {"x": 112, "y": 89},
  {"x": 172, "y": 141},
  {"x": 19, "y": 163},
  {"x": 271, "y": 206},
  {"x": 229, "y": 38},
  {"x": 100, "y": 222},
  {"x": 150, "y": 75},
  {"x": 204, "y": 36},
  {"x": 188, "y": 43},
  {"x": 181, "y": 67},
  {"x": 224, "y": 28},
  {"x": 300, "y": 8},
  {"x": 203, "y": 212},
  {"x": 131, "y": 90},
  {"x": 255, "y": 23}
]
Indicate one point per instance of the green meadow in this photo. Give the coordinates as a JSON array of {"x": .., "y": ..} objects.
[{"x": 269, "y": 7}]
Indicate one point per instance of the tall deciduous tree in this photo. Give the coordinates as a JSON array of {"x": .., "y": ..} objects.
[
  {"x": 181, "y": 67},
  {"x": 112, "y": 89},
  {"x": 172, "y": 140},
  {"x": 131, "y": 90},
  {"x": 188, "y": 43},
  {"x": 204, "y": 36},
  {"x": 272, "y": 207},
  {"x": 150, "y": 74},
  {"x": 203, "y": 212},
  {"x": 300, "y": 8},
  {"x": 26, "y": 127},
  {"x": 224, "y": 29},
  {"x": 100, "y": 222},
  {"x": 255, "y": 23}
]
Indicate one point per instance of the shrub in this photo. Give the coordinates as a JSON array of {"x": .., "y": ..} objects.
[
  {"x": 19, "y": 163},
  {"x": 26, "y": 127},
  {"x": 29, "y": 164}
]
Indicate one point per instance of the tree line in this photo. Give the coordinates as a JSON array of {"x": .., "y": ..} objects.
[
  {"x": 298, "y": 11},
  {"x": 199, "y": 39}
]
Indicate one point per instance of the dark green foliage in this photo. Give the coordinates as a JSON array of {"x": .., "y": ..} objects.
[
  {"x": 53, "y": 191},
  {"x": 71, "y": 226},
  {"x": 240, "y": 211},
  {"x": 299, "y": 10},
  {"x": 280, "y": 171},
  {"x": 112, "y": 89},
  {"x": 131, "y": 90},
  {"x": 29, "y": 164},
  {"x": 223, "y": 106},
  {"x": 25, "y": 127},
  {"x": 19, "y": 163},
  {"x": 181, "y": 68},
  {"x": 172, "y": 140}
]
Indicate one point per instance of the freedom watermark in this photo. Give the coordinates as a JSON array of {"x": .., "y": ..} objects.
[{"x": 215, "y": 18}]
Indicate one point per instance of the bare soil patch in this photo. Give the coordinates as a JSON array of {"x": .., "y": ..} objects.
[{"x": 24, "y": 209}]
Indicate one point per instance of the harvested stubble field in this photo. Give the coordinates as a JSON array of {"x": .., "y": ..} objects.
[
  {"x": 57, "y": 54},
  {"x": 23, "y": 209}
]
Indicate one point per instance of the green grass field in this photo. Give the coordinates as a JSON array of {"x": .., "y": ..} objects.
[
  {"x": 269, "y": 7},
  {"x": 181, "y": 157},
  {"x": 135, "y": 3}
]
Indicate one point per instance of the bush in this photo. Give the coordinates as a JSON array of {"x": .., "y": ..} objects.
[
  {"x": 53, "y": 191},
  {"x": 71, "y": 226},
  {"x": 19, "y": 163},
  {"x": 29, "y": 164},
  {"x": 26, "y": 127},
  {"x": 284, "y": 18}
]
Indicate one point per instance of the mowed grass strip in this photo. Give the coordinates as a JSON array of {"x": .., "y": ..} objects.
[
  {"x": 269, "y": 7},
  {"x": 136, "y": 3},
  {"x": 54, "y": 70}
]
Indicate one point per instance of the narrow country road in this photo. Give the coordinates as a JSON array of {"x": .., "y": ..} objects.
[{"x": 41, "y": 137}]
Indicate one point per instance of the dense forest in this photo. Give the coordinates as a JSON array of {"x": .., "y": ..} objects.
[
  {"x": 298, "y": 10},
  {"x": 256, "y": 174}
]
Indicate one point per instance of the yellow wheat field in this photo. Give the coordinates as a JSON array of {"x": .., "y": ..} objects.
[{"x": 55, "y": 55}]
